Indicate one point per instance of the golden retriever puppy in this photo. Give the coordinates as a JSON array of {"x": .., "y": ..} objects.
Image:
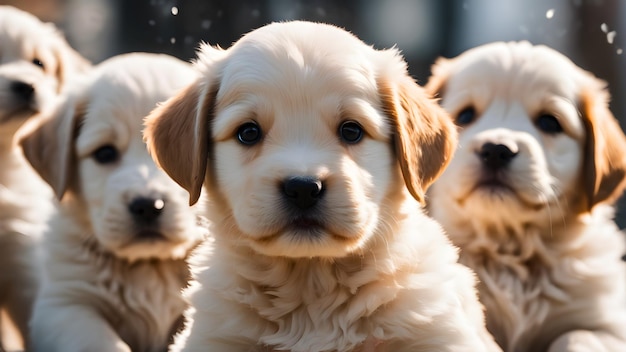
[
  {"x": 315, "y": 151},
  {"x": 115, "y": 261},
  {"x": 528, "y": 196},
  {"x": 35, "y": 65}
]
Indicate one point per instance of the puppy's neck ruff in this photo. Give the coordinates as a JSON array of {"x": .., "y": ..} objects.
[
  {"x": 347, "y": 303},
  {"x": 528, "y": 279},
  {"x": 141, "y": 300}
]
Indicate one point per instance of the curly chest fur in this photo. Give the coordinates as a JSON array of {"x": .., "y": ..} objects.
[
  {"x": 534, "y": 290},
  {"x": 143, "y": 300}
]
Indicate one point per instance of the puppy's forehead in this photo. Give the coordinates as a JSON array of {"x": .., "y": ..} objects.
[
  {"x": 22, "y": 35},
  {"x": 295, "y": 56},
  {"x": 122, "y": 91},
  {"x": 509, "y": 69}
]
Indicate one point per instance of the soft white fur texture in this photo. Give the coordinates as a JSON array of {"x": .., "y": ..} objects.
[
  {"x": 111, "y": 283},
  {"x": 539, "y": 230},
  {"x": 35, "y": 65},
  {"x": 363, "y": 269}
]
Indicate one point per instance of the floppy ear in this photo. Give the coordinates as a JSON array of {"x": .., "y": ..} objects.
[
  {"x": 605, "y": 150},
  {"x": 436, "y": 84},
  {"x": 50, "y": 147},
  {"x": 424, "y": 136},
  {"x": 178, "y": 135},
  {"x": 69, "y": 62}
]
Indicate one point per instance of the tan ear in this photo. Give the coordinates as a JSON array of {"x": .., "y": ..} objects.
[
  {"x": 69, "y": 64},
  {"x": 424, "y": 136},
  {"x": 50, "y": 147},
  {"x": 436, "y": 84},
  {"x": 604, "y": 167},
  {"x": 178, "y": 136}
]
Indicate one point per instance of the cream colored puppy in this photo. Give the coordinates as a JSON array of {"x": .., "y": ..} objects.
[
  {"x": 315, "y": 151},
  {"x": 528, "y": 196},
  {"x": 115, "y": 255},
  {"x": 36, "y": 64}
]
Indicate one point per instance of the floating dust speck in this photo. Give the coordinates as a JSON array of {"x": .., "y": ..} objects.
[
  {"x": 172, "y": 40},
  {"x": 152, "y": 22},
  {"x": 610, "y": 37},
  {"x": 550, "y": 13},
  {"x": 619, "y": 51},
  {"x": 604, "y": 27},
  {"x": 174, "y": 10}
]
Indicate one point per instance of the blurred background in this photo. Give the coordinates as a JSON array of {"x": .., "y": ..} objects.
[{"x": 591, "y": 32}]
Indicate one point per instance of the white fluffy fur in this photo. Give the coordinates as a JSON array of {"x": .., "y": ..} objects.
[
  {"x": 106, "y": 288},
  {"x": 26, "y": 201},
  {"x": 369, "y": 272},
  {"x": 542, "y": 241}
]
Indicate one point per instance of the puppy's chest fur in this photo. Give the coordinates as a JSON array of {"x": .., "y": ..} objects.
[
  {"x": 143, "y": 300},
  {"x": 310, "y": 297},
  {"x": 528, "y": 284}
]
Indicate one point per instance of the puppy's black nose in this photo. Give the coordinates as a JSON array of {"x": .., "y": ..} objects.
[
  {"x": 146, "y": 210},
  {"x": 495, "y": 156},
  {"x": 303, "y": 191},
  {"x": 23, "y": 91}
]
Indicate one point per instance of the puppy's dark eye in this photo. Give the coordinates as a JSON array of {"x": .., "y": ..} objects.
[
  {"x": 466, "y": 116},
  {"x": 106, "y": 154},
  {"x": 38, "y": 62},
  {"x": 350, "y": 132},
  {"x": 549, "y": 124},
  {"x": 249, "y": 133}
]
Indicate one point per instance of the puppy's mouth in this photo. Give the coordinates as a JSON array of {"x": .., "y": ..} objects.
[
  {"x": 498, "y": 187},
  {"x": 492, "y": 184},
  {"x": 306, "y": 226},
  {"x": 302, "y": 228},
  {"x": 149, "y": 235}
]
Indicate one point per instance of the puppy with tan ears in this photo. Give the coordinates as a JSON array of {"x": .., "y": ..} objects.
[
  {"x": 315, "y": 151},
  {"x": 36, "y": 64},
  {"x": 115, "y": 260},
  {"x": 528, "y": 196}
]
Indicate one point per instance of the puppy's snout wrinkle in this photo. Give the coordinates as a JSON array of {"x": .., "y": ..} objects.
[
  {"x": 495, "y": 156},
  {"x": 303, "y": 191},
  {"x": 22, "y": 90},
  {"x": 146, "y": 210}
]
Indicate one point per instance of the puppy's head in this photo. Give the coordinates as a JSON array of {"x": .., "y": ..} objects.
[
  {"x": 537, "y": 140},
  {"x": 36, "y": 62},
  {"x": 92, "y": 150},
  {"x": 302, "y": 135}
]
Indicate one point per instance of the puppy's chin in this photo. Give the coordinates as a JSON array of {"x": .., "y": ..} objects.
[
  {"x": 158, "y": 251},
  {"x": 146, "y": 245}
]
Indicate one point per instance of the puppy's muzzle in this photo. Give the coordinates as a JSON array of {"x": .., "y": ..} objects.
[
  {"x": 495, "y": 156},
  {"x": 303, "y": 191}
]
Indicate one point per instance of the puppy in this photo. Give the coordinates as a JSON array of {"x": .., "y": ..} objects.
[
  {"x": 315, "y": 151},
  {"x": 115, "y": 255},
  {"x": 36, "y": 64},
  {"x": 528, "y": 196}
]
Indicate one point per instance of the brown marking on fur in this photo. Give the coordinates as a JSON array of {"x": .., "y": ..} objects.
[
  {"x": 178, "y": 137},
  {"x": 424, "y": 136},
  {"x": 604, "y": 165}
]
